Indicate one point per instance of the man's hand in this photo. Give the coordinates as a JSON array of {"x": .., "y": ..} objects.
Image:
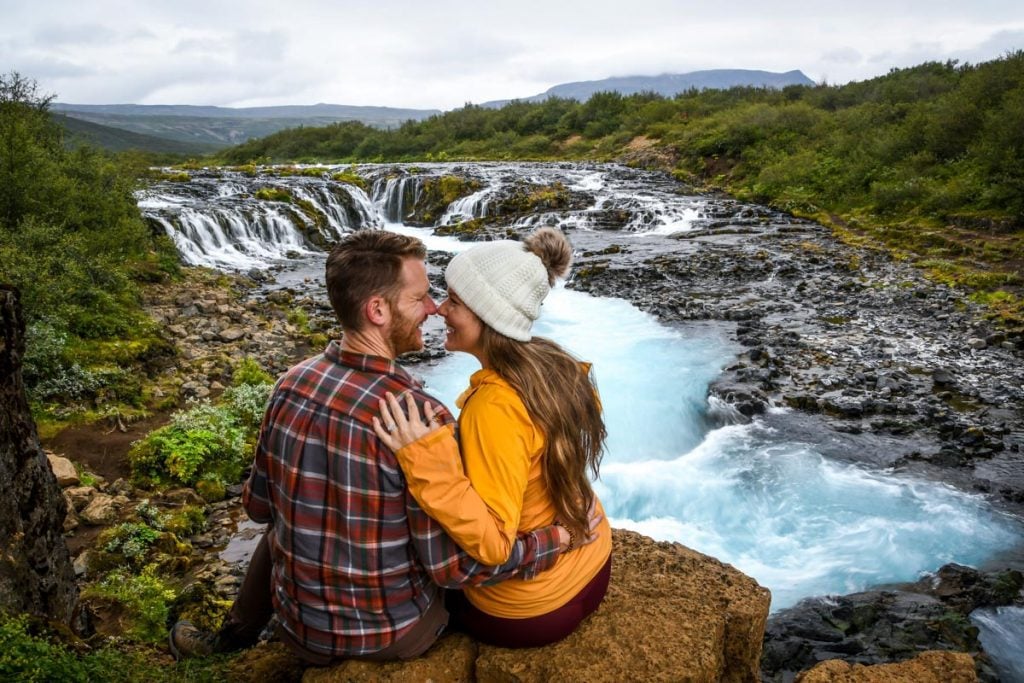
[
  {"x": 395, "y": 429},
  {"x": 567, "y": 543}
]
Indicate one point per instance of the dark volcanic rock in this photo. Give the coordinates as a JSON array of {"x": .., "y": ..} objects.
[
  {"x": 888, "y": 625},
  {"x": 36, "y": 575}
]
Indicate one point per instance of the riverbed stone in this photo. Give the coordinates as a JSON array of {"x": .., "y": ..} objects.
[
  {"x": 102, "y": 509},
  {"x": 79, "y": 496},
  {"x": 232, "y": 334},
  {"x": 64, "y": 470}
]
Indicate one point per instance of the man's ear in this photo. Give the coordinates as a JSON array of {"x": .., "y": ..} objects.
[{"x": 377, "y": 310}]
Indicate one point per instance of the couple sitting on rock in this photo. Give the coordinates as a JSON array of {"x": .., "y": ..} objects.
[{"x": 381, "y": 534}]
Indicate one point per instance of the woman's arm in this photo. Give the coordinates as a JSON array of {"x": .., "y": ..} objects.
[{"x": 429, "y": 457}]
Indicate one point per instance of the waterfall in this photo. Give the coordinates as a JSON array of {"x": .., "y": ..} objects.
[
  {"x": 217, "y": 218},
  {"x": 396, "y": 195},
  {"x": 466, "y": 208}
]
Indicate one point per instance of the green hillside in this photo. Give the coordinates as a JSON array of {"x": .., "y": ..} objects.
[
  {"x": 119, "y": 140},
  {"x": 225, "y": 126}
]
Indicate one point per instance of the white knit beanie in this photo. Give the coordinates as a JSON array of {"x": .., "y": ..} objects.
[{"x": 503, "y": 283}]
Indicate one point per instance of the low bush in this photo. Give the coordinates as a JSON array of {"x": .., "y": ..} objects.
[
  {"x": 29, "y": 654},
  {"x": 249, "y": 371},
  {"x": 144, "y": 598},
  {"x": 201, "y": 441}
]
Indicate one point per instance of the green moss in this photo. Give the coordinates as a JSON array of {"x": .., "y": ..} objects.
[
  {"x": 246, "y": 169},
  {"x": 307, "y": 171},
  {"x": 468, "y": 228},
  {"x": 300, "y": 319},
  {"x": 589, "y": 271},
  {"x": 274, "y": 194},
  {"x": 350, "y": 177},
  {"x": 437, "y": 194},
  {"x": 211, "y": 488},
  {"x": 310, "y": 211},
  {"x": 180, "y": 177}
]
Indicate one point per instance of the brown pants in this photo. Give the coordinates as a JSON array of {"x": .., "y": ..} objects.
[{"x": 253, "y": 608}]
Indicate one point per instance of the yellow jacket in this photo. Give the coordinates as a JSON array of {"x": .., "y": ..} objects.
[{"x": 500, "y": 492}]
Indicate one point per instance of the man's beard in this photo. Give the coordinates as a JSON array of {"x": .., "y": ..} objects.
[{"x": 404, "y": 335}]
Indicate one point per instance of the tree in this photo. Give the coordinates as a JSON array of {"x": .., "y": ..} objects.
[{"x": 29, "y": 141}]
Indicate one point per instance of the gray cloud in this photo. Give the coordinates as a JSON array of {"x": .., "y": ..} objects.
[{"x": 444, "y": 53}]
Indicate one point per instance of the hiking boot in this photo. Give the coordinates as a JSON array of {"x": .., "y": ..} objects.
[{"x": 187, "y": 641}]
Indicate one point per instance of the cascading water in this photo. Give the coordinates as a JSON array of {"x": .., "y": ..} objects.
[
  {"x": 1000, "y": 632},
  {"x": 216, "y": 220},
  {"x": 677, "y": 468}
]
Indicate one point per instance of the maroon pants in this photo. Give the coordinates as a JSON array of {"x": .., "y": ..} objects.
[{"x": 531, "y": 631}]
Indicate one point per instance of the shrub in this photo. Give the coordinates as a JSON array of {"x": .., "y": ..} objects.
[
  {"x": 188, "y": 520},
  {"x": 48, "y": 372},
  {"x": 144, "y": 597},
  {"x": 128, "y": 540},
  {"x": 248, "y": 402},
  {"x": 203, "y": 440},
  {"x": 249, "y": 371},
  {"x": 29, "y": 656}
]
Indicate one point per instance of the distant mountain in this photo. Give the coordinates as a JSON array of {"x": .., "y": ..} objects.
[
  {"x": 668, "y": 84},
  {"x": 225, "y": 126},
  {"x": 119, "y": 140}
]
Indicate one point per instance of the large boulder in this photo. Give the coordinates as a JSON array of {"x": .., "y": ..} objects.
[
  {"x": 927, "y": 667},
  {"x": 35, "y": 568},
  {"x": 671, "y": 614}
]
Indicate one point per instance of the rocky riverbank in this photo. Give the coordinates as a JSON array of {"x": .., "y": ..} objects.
[{"x": 861, "y": 342}]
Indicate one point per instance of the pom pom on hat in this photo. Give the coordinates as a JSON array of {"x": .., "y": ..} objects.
[{"x": 505, "y": 282}]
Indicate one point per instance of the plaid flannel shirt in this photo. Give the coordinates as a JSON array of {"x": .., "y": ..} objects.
[{"x": 356, "y": 560}]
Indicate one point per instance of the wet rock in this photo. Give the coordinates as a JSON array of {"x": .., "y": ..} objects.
[
  {"x": 873, "y": 627},
  {"x": 927, "y": 667},
  {"x": 966, "y": 589},
  {"x": 64, "y": 470},
  {"x": 976, "y": 343},
  {"x": 280, "y": 296},
  {"x": 183, "y": 496},
  {"x": 82, "y": 563}
]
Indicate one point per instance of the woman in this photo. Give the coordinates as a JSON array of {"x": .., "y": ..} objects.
[{"x": 529, "y": 431}]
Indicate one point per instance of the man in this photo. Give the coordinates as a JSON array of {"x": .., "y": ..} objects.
[{"x": 351, "y": 565}]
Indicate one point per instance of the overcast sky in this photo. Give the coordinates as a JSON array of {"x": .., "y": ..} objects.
[{"x": 440, "y": 54}]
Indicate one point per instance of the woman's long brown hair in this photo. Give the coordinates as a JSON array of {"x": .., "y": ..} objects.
[{"x": 561, "y": 399}]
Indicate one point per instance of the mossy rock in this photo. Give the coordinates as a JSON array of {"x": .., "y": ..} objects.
[{"x": 436, "y": 194}]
